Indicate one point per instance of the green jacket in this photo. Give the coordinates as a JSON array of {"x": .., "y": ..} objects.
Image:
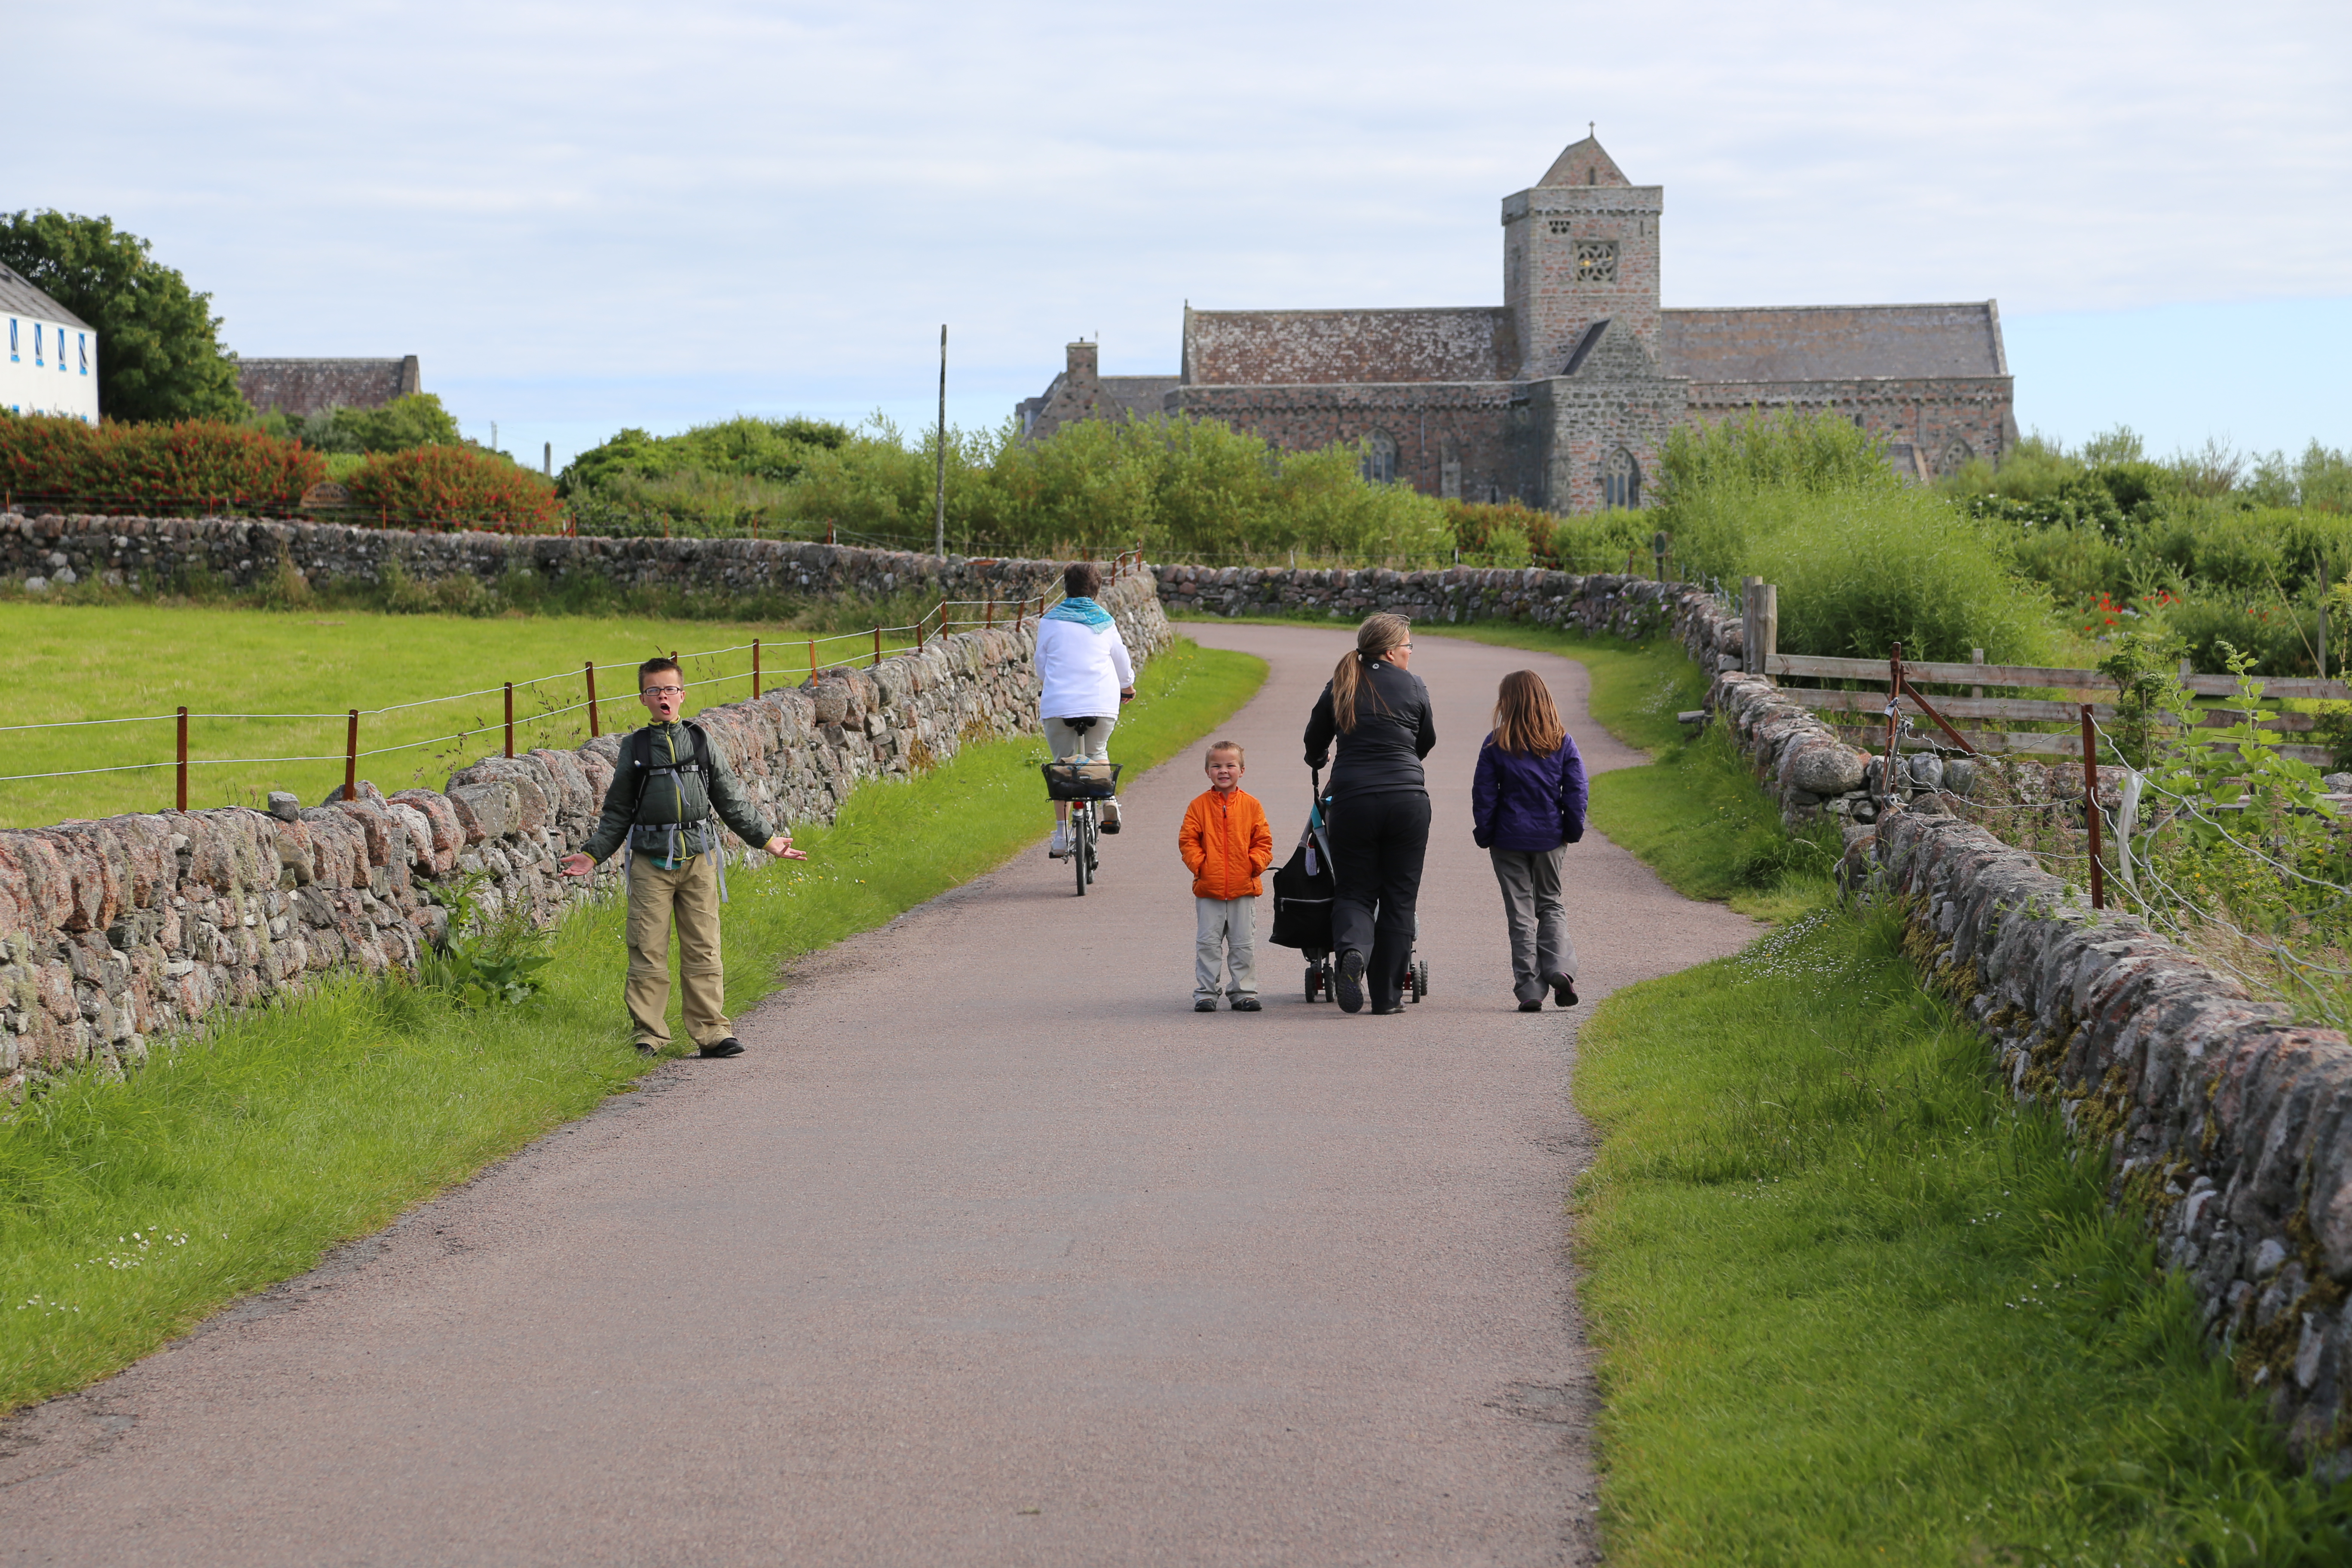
[{"x": 636, "y": 795}]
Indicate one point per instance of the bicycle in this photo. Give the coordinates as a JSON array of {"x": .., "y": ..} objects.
[{"x": 1082, "y": 784}]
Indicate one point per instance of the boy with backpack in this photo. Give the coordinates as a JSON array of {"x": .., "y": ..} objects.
[
  {"x": 669, "y": 791},
  {"x": 1226, "y": 845}
]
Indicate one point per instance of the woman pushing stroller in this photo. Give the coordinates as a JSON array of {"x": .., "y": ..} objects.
[{"x": 1378, "y": 714}]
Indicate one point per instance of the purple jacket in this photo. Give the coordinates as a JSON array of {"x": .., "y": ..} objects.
[{"x": 1527, "y": 803}]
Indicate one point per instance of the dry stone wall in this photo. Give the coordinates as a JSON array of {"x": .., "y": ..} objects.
[
  {"x": 115, "y": 933},
  {"x": 1596, "y": 602},
  {"x": 2227, "y": 1125},
  {"x": 145, "y": 554}
]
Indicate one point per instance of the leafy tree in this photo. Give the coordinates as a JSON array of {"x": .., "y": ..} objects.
[{"x": 159, "y": 355}]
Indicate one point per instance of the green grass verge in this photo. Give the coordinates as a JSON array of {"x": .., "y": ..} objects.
[
  {"x": 1855, "y": 1308},
  {"x": 113, "y": 661},
  {"x": 131, "y": 1210}
]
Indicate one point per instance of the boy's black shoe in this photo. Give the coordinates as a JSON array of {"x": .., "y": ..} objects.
[
  {"x": 729, "y": 1046},
  {"x": 1563, "y": 990},
  {"x": 1205, "y": 1004},
  {"x": 646, "y": 1048},
  {"x": 1533, "y": 1004},
  {"x": 1245, "y": 1004},
  {"x": 1348, "y": 986}
]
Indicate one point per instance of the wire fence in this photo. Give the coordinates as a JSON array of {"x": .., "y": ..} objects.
[
  {"x": 2120, "y": 852},
  {"x": 544, "y": 698}
]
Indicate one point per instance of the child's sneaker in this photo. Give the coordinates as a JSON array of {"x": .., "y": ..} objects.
[
  {"x": 1109, "y": 811},
  {"x": 1060, "y": 848},
  {"x": 1204, "y": 1004},
  {"x": 1245, "y": 1004}
]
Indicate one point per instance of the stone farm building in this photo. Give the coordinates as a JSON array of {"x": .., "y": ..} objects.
[
  {"x": 1563, "y": 396},
  {"x": 306, "y": 386}
]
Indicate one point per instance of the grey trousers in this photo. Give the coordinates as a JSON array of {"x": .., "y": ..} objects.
[
  {"x": 1540, "y": 940},
  {"x": 1226, "y": 938}
]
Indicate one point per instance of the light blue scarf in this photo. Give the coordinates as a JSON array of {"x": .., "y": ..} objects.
[{"x": 1082, "y": 610}]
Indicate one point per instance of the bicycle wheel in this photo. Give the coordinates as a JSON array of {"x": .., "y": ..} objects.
[{"x": 1081, "y": 819}]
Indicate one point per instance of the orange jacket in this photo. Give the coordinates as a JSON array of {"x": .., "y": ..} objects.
[{"x": 1226, "y": 843}]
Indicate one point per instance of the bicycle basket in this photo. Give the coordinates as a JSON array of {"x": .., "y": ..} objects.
[{"x": 1081, "y": 780}]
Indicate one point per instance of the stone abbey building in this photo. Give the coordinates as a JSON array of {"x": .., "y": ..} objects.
[{"x": 1563, "y": 396}]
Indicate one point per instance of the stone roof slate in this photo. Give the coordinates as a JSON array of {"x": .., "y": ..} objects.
[
  {"x": 1833, "y": 343},
  {"x": 1292, "y": 348},
  {"x": 18, "y": 297}
]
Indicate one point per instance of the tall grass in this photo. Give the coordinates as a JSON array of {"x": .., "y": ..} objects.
[{"x": 1862, "y": 559}]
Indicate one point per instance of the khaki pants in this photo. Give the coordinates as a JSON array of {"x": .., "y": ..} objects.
[{"x": 690, "y": 894}]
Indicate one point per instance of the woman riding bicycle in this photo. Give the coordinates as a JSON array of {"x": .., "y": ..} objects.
[{"x": 1083, "y": 672}]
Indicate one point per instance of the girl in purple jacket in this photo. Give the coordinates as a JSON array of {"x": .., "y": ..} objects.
[{"x": 1527, "y": 805}]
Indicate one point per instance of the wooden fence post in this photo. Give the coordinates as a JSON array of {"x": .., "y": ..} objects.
[
  {"x": 183, "y": 759},
  {"x": 755, "y": 668},
  {"x": 2091, "y": 809},
  {"x": 510, "y": 718},
  {"x": 1767, "y": 625},
  {"x": 877, "y": 646},
  {"x": 1975, "y": 656},
  {"x": 812, "y": 659},
  {"x": 1893, "y": 716},
  {"x": 351, "y": 758},
  {"x": 595, "y": 723}
]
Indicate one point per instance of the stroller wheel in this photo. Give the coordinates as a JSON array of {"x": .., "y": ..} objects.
[
  {"x": 1313, "y": 983},
  {"x": 1420, "y": 979}
]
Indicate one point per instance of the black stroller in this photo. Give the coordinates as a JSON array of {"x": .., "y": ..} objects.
[{"x": 1302, "y": 891}]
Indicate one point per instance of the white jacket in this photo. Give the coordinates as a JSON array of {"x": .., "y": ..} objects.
[{"x": 1082, "y": 669}]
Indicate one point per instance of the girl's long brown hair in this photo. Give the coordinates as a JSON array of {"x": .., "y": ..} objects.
[
  {"x": 1379, "y": 635},
  {"x": 1526, "y": 722}
]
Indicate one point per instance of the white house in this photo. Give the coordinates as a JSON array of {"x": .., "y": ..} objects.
[{"x": 52, "y": 363}]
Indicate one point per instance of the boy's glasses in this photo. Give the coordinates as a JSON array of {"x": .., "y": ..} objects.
[{"x": 662, "y": 691}]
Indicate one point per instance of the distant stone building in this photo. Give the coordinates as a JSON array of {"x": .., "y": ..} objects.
[
  {"x": 1562, "y": 396},
  {"x": 305, "y": 386},
  {"x": 52, "y": 363}
]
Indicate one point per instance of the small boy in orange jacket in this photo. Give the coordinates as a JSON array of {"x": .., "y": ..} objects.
[{"x": 1227, "y": 845}]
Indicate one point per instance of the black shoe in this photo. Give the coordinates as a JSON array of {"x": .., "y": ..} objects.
[
  {"x": 1563, "y": 990},
  {"x": 1536, "y": 1005},
  {"x": 646, "y": 1048},
  {"x": 729, "y": 1046},
  {"x": 1205, "y": 1004},
  {"x": 1378, "y": 1011},
  {"x": 1245, "y": 1004},
  {"x": 1348, "y": 986}
]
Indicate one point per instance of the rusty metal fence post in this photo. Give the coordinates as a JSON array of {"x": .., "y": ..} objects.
[
  {"x": 755, "y": 668},
  {"x": 510, "y": 718},
  {"x": 351, "y": 757},
  {"x": 877, "y": 646},
  {"x": 595, "y": 723},
  {"x": 183, "y": 759}
]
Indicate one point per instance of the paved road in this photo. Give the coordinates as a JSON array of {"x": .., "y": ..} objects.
[{"x": 990, "y": 1251}]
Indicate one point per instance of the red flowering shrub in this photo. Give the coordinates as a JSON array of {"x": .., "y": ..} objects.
[
  {"x": 428, "y": 484},
  {"x": 193, "y": 465}
]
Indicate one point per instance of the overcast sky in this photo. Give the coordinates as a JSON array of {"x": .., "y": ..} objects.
[{"x": 586, "y": 215}]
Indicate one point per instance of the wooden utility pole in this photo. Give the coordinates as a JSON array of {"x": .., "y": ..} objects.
[{"x": 940, "y": 504}]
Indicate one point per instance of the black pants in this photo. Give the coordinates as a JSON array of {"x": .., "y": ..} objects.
[{"x": 1378, "y": 843}]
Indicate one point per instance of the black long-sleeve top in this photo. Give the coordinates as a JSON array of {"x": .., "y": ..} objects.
[{"x": 1381, "y": 755}]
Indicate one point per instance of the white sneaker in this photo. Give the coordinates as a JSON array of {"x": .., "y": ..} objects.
[{"x": 1060, "y": 848}]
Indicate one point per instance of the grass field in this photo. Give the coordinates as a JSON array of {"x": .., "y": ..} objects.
[
  {"x": 106, "y": 661},
  {"x": 131, "y": 1210}
]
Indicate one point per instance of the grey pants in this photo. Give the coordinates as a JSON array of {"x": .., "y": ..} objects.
[
  {"x": 1226, "y": 938},
  {"x": 1539, "y": 941}
]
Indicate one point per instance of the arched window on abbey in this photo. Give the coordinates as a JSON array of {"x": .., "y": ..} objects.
[
  {"x": 1956, "y": 458},
  {"x": 1621, "y": 480},
  {"x": 1381, "y": 457}
]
